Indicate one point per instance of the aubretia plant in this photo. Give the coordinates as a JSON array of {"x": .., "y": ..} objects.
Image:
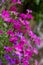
[{"x": 17, "y": 40}]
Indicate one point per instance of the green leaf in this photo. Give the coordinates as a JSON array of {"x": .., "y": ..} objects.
[
  {"x": 1, "y": 21},
  {"x": 37, "y": 2},
  {"x": 22, "y": 0},
  {"x": 5, "y": 25}
]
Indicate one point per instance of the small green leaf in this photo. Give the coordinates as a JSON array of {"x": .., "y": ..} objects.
[
  {"x": 37, "y": 2},
  {"x": 5, "y": 25},
  {"x": 22, "y": 0}
]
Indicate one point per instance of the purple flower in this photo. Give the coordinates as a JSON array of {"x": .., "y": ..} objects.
[
  {"x": 12, "y": 61},
  {"x": 7, "y": 57},
  {"x": 3, "y": 1},
  {"x": 13, "y": 54},
  {"x": 19, "y": 34},
  {"x": 15, "y": 42},
  {"x": 0, "y": 62}
]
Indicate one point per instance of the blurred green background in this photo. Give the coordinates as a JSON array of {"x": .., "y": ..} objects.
[{"x": 36, "y": 6}]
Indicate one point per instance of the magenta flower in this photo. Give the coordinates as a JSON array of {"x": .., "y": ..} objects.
[
  {"x": 22, "y": 15},
  {"x": 14, "y": 1},
  {"x": 13, "y": 39},
  {"x": 37, "y": 40},
  {"x": 19, "y": 54},
  {"x": 25, "y": 63},
  {"x": 34, "y": 38},
  {"x": 5, "y": 14},
  {"x": 20, "y": 35},
  {"x": 8, "y": 49},
  {"x": 35, "y": 51},
  {"x": 13, "y": 8},
  {"x": 18, "y": 48},
  {"x": 10, "y": 32},
  {"x": 29, "y": 11},
  {"x": 29, "y": 16},
  {"x": 7, "y": 20},
  {"x": 1, "y": 32},
  {"x": 19, "y": 2}
]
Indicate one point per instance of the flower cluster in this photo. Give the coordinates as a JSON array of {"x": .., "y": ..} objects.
[{"x": 18, "y": 50}]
